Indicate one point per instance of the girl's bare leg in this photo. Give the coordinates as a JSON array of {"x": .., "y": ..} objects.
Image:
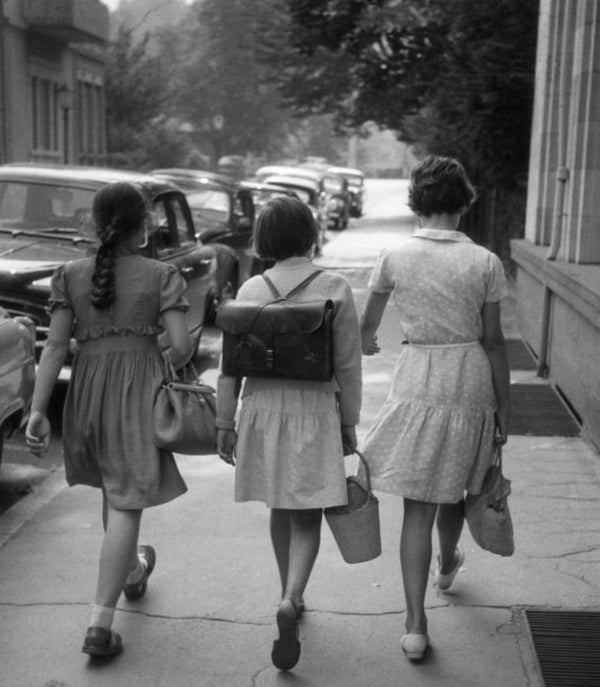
[
  {"x": 305, "y": 539},
  {"x": 450, "y": 520},
  {"x": 281, "y": 532},
  {"x": 118, "y": 554},
  {"x": 415, "y": 560}
]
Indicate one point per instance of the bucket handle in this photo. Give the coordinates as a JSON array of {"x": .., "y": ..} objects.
[{"x": 363, "y": 460}]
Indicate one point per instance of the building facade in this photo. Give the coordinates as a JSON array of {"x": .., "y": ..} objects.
[
  {"x": 52, "y": 104},
  {"x": 558, "y": 261}
]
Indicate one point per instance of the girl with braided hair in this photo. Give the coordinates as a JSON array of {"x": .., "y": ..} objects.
[{"x": 115, "y": 304}]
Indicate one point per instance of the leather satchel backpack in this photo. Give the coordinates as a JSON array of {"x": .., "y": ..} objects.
[{"x": 280, "y": 338}]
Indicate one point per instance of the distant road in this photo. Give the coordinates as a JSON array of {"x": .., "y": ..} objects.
[{"x": 385, "y": 221}]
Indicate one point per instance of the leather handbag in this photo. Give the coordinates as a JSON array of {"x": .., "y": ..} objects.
[
  {"x": 280, "y": 338},
  {"x": 184, "y": 413},
  {"x": 488, "y": 515}
]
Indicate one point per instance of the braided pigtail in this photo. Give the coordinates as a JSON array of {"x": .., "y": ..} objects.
[
  {"x": 119, "y": 210},
  {"x": 103, "y": 279}
]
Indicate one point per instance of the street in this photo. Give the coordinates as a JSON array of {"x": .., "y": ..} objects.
[
  {"x": 208, "y": 617},
  {"x": 386, "y": 219}
]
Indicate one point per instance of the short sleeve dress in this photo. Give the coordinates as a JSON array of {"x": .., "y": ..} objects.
[
  {"x": 116, "y": 373},
  {"x": 433, "y": 437}
]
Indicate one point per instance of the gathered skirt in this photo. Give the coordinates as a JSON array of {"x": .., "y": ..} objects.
[
  {"x": 107, "y": 426},
  {"x": 289, "y": 450},
  {"x": 433, "y": 438}
]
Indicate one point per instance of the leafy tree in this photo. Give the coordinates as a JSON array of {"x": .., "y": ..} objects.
[
  {"x": 452, "y": 78},
  {"x": 137, "y": 94}
]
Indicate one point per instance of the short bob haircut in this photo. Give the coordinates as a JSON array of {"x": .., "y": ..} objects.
[
  {"x": 440, "y": 185},
  {"x": 285, "y": 228}
]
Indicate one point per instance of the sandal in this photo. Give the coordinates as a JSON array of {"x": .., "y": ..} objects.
[
  {"x": 286, "y": 649},
  {"x": 414, "y": 645},
  {"x": 99, "y": 641},
  {"x": 147, "y": 556}
]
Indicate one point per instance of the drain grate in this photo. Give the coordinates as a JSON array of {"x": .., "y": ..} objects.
[
  {"x": 567, "y": 645},
  {"x": 537, "y": 410}
]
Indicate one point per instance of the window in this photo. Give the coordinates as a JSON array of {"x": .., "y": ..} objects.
[
  {"x": 90, "y": 124},
  {"x": 44, "y": 108}
]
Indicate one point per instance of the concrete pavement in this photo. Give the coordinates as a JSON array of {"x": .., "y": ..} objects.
[{"x": 208, "y": 617}]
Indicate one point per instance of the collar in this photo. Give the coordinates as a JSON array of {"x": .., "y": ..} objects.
[
  {"x": 440, "y": 234},
  {"x": 296, "y": 262}
]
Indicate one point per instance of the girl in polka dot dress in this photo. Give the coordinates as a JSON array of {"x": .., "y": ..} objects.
[{"x": 448, "y": 403}]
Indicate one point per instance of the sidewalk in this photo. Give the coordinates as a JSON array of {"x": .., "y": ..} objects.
[{"x": 208, "y": 617}]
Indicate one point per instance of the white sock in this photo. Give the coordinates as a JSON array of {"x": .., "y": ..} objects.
[
  {"x": 137, "y": 573},
  {"x": 102, "y": 616}
]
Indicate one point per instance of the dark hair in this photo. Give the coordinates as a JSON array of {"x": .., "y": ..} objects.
[
  {"x": 285, "y": 227},
  {"x": 440, "y": 184},
  {"x": 118, "y": 209}
]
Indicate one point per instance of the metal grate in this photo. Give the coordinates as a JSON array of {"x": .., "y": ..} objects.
[
  {"x": 567, "y": 645},
  {"x": 537, "y": 410}
]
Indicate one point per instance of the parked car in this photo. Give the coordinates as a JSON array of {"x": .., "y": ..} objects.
[
  {"x": 262, "y": 193},
  {"x": 356, "y": 186},
  {"x": 17, "y": 373},
  {"x": 308, "y": 191},
  {"x": 334, "y": 197},
  {"x": 223, "y": 213},
  {"x": 45, "y": 214}
]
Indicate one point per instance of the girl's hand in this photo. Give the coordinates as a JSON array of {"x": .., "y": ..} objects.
[
  {"x": 37, "y": 434},
  {"x": 501, "y": 432},
  {"x": 226, "y": 441},
  {"x": 349, "y": 442},
  {"x": 373, "y": 347}
]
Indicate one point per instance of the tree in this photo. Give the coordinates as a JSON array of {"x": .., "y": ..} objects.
[
  {"x": 140, "y": 134},
  {"x": 452, "y": 78}
]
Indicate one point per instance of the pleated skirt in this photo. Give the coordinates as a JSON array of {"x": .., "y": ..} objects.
[
  {"x": 433, "y": 438},
  {"x": 107, "y": 425},
  {"x": 289, "y": 449}
]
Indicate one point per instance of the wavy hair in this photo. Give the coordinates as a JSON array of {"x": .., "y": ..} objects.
[
  {"x": 118, "y": 210},
  {"x": 440, "y": 184}
]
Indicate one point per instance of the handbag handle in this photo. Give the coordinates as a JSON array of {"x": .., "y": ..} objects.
[
  {"x": 365, "y": 465},
  {"x": 171, "y": 373}
]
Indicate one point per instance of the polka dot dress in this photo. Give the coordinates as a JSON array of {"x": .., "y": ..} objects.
[{"x": 432, "y": 439}]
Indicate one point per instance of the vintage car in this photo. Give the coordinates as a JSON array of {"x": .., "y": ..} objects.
[
  {"x": 262, "y": 193},
  {"x": 223, "y": 213},
  {"x": 308, "y": 191},
  {"x": 334, "y": 197},
  {"x": 45, "y": 221},
  {"x": 17, "y": 373},
  {"x": 356, "y": 187}
]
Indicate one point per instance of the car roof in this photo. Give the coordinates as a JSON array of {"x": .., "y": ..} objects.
[
  {"x": 346, "y": 170},
  {"x": 285, "y": 180},
  {"x": 174, "y": 173},
  {"x": 289, "y": 170},
  {"x": 83, "y": 177}
]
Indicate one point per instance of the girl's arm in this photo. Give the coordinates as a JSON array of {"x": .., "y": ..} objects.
[
  {"x": 53, "y": 358},
  {"x": 495, "y": 347},
  {"x": 371, "y": 319},
  {"x": 179, "y": 338}
]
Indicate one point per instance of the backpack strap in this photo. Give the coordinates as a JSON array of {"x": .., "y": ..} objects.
[{"x": 295, "y": 290}]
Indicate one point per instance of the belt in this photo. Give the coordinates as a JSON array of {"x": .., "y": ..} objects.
[{"x": 460, "y": 344}]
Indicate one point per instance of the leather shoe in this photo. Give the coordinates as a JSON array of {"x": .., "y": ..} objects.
[
  {"x": 147, "y": 556},
  {"x": 99, "y": 641}
]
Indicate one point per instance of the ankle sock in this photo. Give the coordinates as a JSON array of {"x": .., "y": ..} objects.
[
  {"x": 102, "y": 616},
  {"x": 137, "y": 573}
]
